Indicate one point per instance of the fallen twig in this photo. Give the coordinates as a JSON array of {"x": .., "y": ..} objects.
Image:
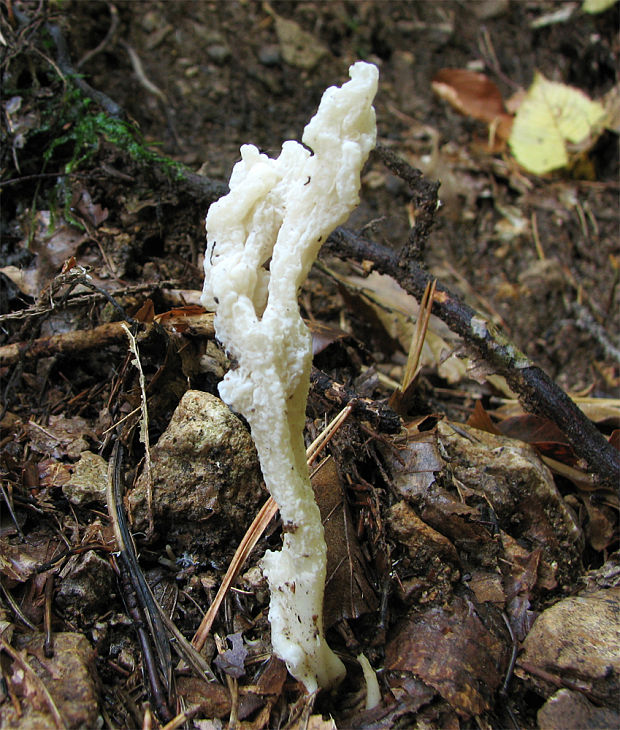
[
  {"x": 157, "y": 618},
  {"x": 424, "y": 192},
  {"x": 65, "y": 343},
  {"x": 97, "y": 338},
  {"x": 137, "y": 595},
  {"x": 536, "y": 390},
  {"x": 114, "y": 20}
]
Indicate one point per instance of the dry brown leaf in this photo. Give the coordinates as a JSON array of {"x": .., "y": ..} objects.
[
  {"x": 348, "y": 592},
  {"x": 474, "y": 95},
  {"x": 397, "y": 312},
  {"x": 450, "y": 649},
  {"x": 481, "y": 420},
  {"x": 15, "y": 562},
  {"x": 60, "y": 437}
]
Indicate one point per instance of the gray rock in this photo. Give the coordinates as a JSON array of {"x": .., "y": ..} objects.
[
  {"x": 219, "y": 52},
  {"x": 70, "y": 677},
  {"x": 85, "y": 584},
  {"x": 204, "y": 467},
  {"x": 568, "y": 710},
  {"x": 269, "y": 55},
  {"x": 577, "y": 639},
  {"x": 520, "y": 488}
]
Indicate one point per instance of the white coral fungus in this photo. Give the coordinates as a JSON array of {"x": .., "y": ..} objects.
[{"x": 262, "y": 239}]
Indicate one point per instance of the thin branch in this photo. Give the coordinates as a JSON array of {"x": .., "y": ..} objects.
[
  {"x": 537, "y": 392},
  {"x": 97, "y": 338}
]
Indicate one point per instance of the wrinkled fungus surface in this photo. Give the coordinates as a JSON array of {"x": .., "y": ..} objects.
[{"x": 262, "y": 239}]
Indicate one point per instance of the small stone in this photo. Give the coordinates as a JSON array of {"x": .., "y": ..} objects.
[
  {"x": 219, "y": 53},
  {"x": 567, "y": 709},
  {"x": 88, "y": 481},
  {"x": 299, "y": 48},
  {"x": 204, "y": 466},
  {"x": 269, "y": 55},
  {"x": 85, "y": 584},
  {"x": 487, "y": 9},
  {"x": 578, "y": 639},
  {"x": 70, "y": 677}
]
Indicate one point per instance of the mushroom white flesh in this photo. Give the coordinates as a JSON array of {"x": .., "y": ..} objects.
[{"x": 262, "y": 238}]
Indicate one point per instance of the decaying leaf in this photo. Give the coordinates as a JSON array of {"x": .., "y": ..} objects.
[
  {"x": 602, "y": 526},
  {"x": 552, "y": 122},
  {"x": 211, "y": 696},
  {"x": 60, "y": 437},
  {"x": 232, "y": 660},
  {"x": 450, "y": 649},
  {"x": 397, "y": 312},
  {"x": 91, "y": 212},
  {"x": 324, "y": 335},
  {"x": 600, "y": 410},
  {"x": 418, "y": 463},
  {"x": 54, "y": 241},
  {"x": 348, "y": 592},
  {"x": 15, "y": 562}
]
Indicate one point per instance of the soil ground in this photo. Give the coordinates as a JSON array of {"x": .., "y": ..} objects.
[{"x": 537, "y": 255}]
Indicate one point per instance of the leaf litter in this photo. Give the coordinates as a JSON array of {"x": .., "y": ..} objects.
[{"x": 448, "y": 545}]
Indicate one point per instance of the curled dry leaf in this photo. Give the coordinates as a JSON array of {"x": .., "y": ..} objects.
[
  {"x": 232, "y": 660},
  {"x": 15, "y": 563},
  {"x": 451, "y": 649},
  {"x": 60, "y": 437},
  {"x": 83, "y": 205},
  {"x": 474, "y": 95},
  {"x": 396, "y": 312}
]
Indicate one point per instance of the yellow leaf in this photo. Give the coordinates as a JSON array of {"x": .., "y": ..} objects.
[
  {"x": 552, "y": 116},
  {"x": 596, "y": 6}
]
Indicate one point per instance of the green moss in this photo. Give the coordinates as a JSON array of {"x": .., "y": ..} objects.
[
  {"x": 80, "y": 129},
  {"x": 84, "y": 130}
]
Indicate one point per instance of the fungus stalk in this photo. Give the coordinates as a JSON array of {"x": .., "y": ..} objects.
[{"x": 262, "y": 239}]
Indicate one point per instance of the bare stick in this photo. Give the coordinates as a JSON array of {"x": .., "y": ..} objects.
[{"x": 536, "y": 390}]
